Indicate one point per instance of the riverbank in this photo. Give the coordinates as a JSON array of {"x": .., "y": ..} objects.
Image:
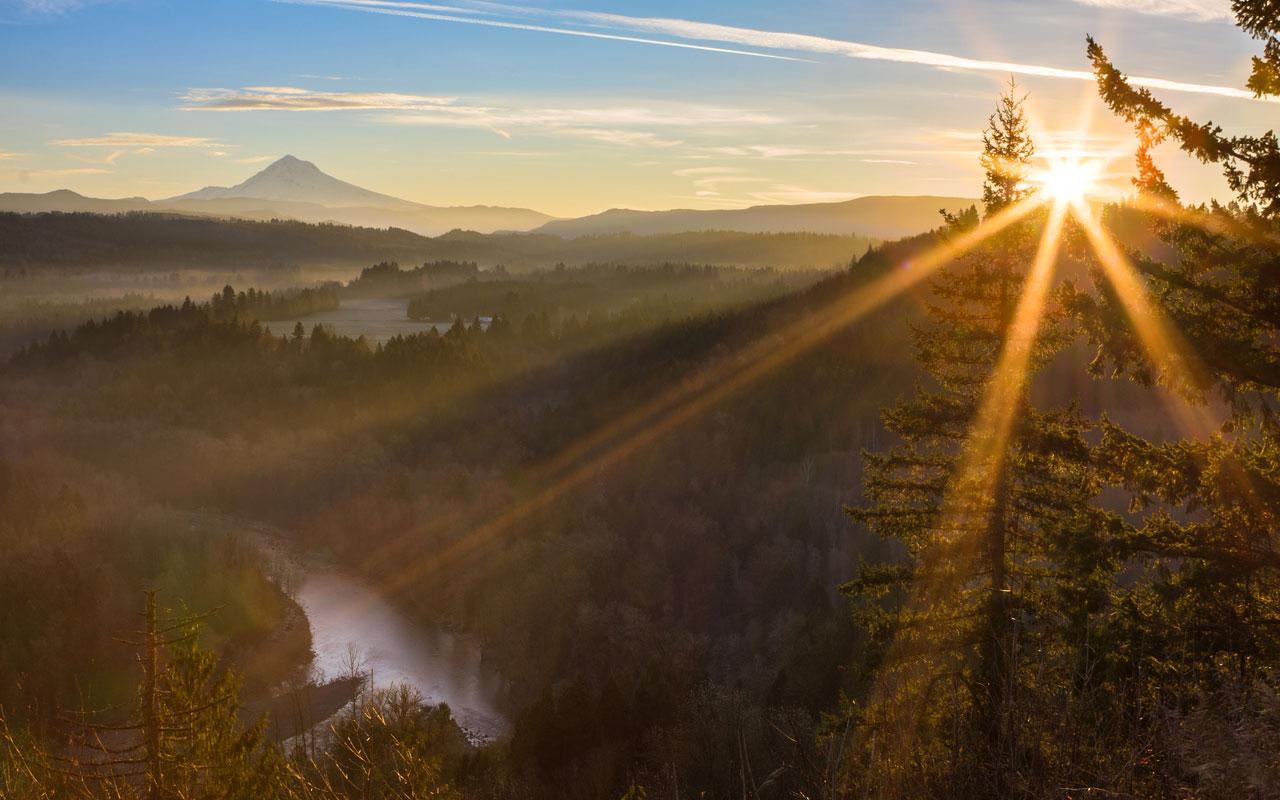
[
  {"x": 354, "y": 630},
  {"x": 377, "y": 319}
]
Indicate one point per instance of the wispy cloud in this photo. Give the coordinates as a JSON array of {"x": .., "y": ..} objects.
[
  {"x": 799, "y": 194},
  {"x": 138, "y": 140},
  {"x": 25, "y": 175},
  {"x": 256, "y": 159},
  {"x": 625, "y": 138},
  {"x": 32, "y": 10},
  {"x": 715, "y": 182},
  {"x": 693, "y": 172},
  {"x": 738, "y": 187},
  {"x": 292, "y": 98},
  {"x": 898, "y": 161},
  {"x": 49, "y": 6},
  {"x": 10, "y": 156},
  {"x": 778, "y": 194},
  {"x": 634, "y": 124},
  {"x": 694, "y": 34},
  {"x": 53, "y": 6},
  {"x": 1201, "y": 10},
  {"x": 782, "y": 152}
]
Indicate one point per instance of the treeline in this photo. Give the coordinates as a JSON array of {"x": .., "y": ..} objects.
[
  {"x": 592, "y": 292},
  {"x": 28, "y": 322},
  {"x": 673, "y": 603},
  {"x": 140, "y": 241},
  {"x": 541, "y": 251},
  {"x": 387, "y": 279},
  {"x": 218, "y": 332},
  {"x": 269, "y": 306},
  {"x": 24, "y": 322}
]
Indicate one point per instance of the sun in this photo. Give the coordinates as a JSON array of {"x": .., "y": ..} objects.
[{"x": 1069, "y": 180}]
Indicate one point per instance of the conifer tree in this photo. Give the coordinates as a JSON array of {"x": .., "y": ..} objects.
[
  {"x": 1007, "y": 150},
  {"x": 1207, "y": 603},
  {"x": 185, "y": 740},
  {"x": 988, "y": 572}
]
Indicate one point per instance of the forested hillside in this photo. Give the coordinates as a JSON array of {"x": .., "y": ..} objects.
[
  {"x": 474, "y": 412},
  {"x": 164, "y": 242},
  {"x": 661, "y": 584}
]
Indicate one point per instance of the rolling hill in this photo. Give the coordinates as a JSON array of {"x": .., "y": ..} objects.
[
  {"x": 880, "y": 217},
  {"x": 149, "y": 241},
  {"x": 294, "y": 189}
]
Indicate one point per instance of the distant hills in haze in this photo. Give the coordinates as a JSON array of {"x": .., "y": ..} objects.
[
  {"x": 148, "y": 241},
  {"x": 293, "y": 189},
  {"x": 882, "y": 217}
]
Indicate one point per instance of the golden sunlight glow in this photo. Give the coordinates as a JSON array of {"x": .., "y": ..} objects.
[
  {"x": 1069, "y": 179},
  {"x": 584, "y": 460},
  {"x": 968, "y": 500},
  {"x": 1170, "y": 354}
]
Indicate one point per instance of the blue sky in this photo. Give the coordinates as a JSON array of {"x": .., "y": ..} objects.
[{"x": 580, "y": 106}]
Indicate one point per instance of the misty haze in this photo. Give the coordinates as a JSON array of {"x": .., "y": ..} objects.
[{"x": 635, "y": 401}]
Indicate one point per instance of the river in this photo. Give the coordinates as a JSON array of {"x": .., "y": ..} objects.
[
  {"x": 350, "y": 618},
  {"x": 345, "y": 613},
  {"x": 376, "y": 319}
]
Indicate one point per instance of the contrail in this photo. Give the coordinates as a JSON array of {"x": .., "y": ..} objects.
[
  {"x": 399, "y": 10},
  {"x": 481, "y": 13}
]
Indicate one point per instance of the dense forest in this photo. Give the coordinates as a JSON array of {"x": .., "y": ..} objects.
[
  {"x": 991, "y": 512},
  {"x": 593, "y": 293},
  {"x": 388, "y": 279},
  {"x": 139, "y": 241},
  {"x": 259, "y": 412}
]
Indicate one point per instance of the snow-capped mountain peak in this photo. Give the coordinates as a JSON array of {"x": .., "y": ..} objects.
[{"x": 294, "y": 180}]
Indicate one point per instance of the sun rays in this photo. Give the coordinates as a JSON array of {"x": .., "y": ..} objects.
[
  {"x": 952, "y": 570},
  {"x": 1064, "y": 191},
  {"x": 1068, "y": 187},
  {"x": 596, "y": 451}
]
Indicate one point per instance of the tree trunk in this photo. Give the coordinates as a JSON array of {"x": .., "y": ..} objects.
[{"x": 150, "y": 702}]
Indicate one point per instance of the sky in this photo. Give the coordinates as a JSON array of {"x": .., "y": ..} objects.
[{"x": 574, "y": 107}]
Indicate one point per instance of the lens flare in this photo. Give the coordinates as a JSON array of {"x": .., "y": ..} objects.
[{"x": 1069, "y": 180}]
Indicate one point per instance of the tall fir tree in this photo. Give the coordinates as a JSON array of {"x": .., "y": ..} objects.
[{"x": 991, "y": 546}]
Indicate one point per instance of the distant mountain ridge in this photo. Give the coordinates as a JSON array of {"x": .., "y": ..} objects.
[
  {"x": 291, "y": 188},
  {"x": 880, "y": 217}
]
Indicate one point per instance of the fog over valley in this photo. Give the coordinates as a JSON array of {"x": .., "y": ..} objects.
[{"x": 634, "y": 402}]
